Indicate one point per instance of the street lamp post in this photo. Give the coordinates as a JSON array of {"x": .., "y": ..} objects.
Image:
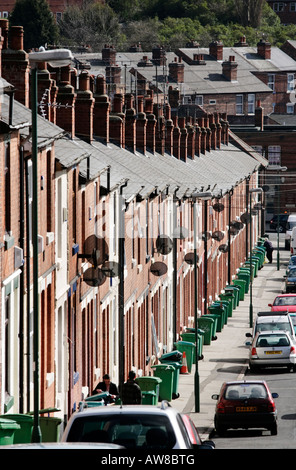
[
  {"x": 205, "y": 197},
  {"x": 251, "y": 191},
  {"x": 56, "y": 58}
]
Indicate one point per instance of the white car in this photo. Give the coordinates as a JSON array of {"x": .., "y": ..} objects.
[
  {"x": 273, "y": 349},
  {"x": 134, "y": 427}
]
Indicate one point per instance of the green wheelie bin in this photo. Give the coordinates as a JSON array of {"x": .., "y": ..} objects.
[
  {"x": 219, "y": 311},
  {"x": 245, "y": 275},
  {"x": 229, "y": 297},
  {"x": 7, "y": 430},
  {"x": 189, "y": 349},
  {"x": 49, "y": 427},
  {"x": 235, "y": 291},
  {"x": 23, "y": 434},
  {"x": 242, "y": 284},
  {"x": 206, "y": 324},
  {"x": 165, "y": 374},
  {"x": 149, "y": 384}
]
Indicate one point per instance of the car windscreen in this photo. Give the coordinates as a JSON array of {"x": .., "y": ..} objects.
[
  {"x": 128, "y": 430},
  {"x": 284, "y": 326},
  {"x": 288, "y": 300},
  {"x": 292, "y": 272}
]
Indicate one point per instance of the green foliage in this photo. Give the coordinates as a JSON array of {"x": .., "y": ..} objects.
[{"x": 36, "y": 18}]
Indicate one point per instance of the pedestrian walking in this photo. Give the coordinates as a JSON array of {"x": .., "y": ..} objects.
[
  {"x": 131, "y": 392},
  {"x": 269, "y": 249}
]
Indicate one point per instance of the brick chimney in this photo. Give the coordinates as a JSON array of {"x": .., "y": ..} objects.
[
  {"x": 65, "y": 111},
  {"x": 190, "y": 141},
  {"x": 151, "y": 129},
  {"x": 218, "y": 130},
  {"x": 158, "y": 55},
  {"x": 84, "y": 108},
  {"x": 264, "y": 49},
  {"x": 213, "y": 127},
  {"x": 174, "y": 97},
  {"x": 109, "y": 55},
  {"x": 47, "y": 93},
  {"x": 176, "y": 70},
  {"x": 229, "y": 69},
  {"x": 141, "y": 127},
  {"x": 176, "y": 138},
  {"x": 117, "y": 121},
  {"x": 242, "y": 42},
  {"x": 169, "y": 130},
  {"x": 183, "y": 139},
  {"x": 259, "y": 116},
  {"x": 216, "y": 50},
  {"x": 101, "y": 110},
  {"x": 203, "y": 135},
  {"x": 15, "y": 63},
  {"x": 130, "y": 123},
  {"x": 225, "y": 128},
  {"x": 4, "y": 25},
  {"x": 197, "y": 139}
]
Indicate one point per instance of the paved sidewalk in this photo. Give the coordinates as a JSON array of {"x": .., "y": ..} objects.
[{"x": 226, "y": 358}]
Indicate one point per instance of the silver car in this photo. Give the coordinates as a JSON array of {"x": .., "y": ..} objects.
[
  {"x": 273, "y": 349},
  {"x": 134, "y": 427}
]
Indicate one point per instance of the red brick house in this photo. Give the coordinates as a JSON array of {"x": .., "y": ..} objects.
[{"x": 115, "y": 173}]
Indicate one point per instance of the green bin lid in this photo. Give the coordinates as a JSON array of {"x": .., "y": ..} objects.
[
  {"x": 148, "y": 378},
  {"x": 162, "y": 366},
  {"x": 8, "y": 424}
]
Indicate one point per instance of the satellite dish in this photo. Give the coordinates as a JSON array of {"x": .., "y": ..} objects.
[
  {"x": 233, "y": 230},
  {"x": 223, "y": 248},
  {"x": 180, "y": 232},
  {"x": 217, "y": 235},
  {"x": 265, "y": 188},
  {"x": 254, "y": 211},
  {"x": 164, "y": 244},
  {"x": 111, "y": 269},
  {"x": 206, "y": 235},
  {"x": 189, "y": 258},
  {"x": 218, "y": 207},
  {"x": 158, "y": 268},
  {"x": 258, "y": 206},
  {"x": 94, "y": 277},
  {"x": 237, "y": 225},
  {"x": 95, "y": 250},
  {"x": 245, "y": 218}
]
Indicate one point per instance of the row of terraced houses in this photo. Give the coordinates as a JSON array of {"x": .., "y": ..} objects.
[{"x": 121, "y": 179}]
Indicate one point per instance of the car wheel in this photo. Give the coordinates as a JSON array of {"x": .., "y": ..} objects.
[
  {"x": 273, "y": 429},
  {"x": 220, "y": 430}
]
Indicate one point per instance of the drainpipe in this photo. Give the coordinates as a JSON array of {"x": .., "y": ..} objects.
[
  {"x": 21, "y": 326},
  {"x": 28, "y": 277}
]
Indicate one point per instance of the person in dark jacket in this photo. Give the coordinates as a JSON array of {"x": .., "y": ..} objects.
[
  {"x": 269, "y": 249},
  {"x": 107, "y": 386},
  {"x": 131, "y": 392}
]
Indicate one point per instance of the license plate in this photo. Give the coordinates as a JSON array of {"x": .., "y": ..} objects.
[
  {"x": 246, "y": 408},
  {"x": 273, "y": 352}
]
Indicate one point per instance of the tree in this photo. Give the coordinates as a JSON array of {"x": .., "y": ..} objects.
[
  {"x": 37, "y": 20},
  {"x": 90, "y": 23}
]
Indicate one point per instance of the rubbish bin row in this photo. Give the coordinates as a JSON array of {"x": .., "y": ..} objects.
[
  {"x": 17, "y": 428},
  {"x": 164, "y": 384}
]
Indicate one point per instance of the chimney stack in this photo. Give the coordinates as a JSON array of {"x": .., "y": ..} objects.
[
  {"x": 101, "y": 110},
  {"x": 65, "y": 113},
  {"x": 264, "y": 49},
  {"x": 216, "y": 50},
  {"x": 259, "y": 116},
  {"x": 229, "y": 69},
  {"x": 176, "y": 70}
]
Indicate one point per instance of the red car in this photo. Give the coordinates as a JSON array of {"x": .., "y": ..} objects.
[
  {"x": 284, "y": 303},
  {"x": 245, "y": 404}
]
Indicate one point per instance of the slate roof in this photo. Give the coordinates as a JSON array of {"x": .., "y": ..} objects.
[{"x": 219, "y": 169}]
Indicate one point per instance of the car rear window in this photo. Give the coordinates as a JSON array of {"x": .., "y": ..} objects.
[
  {"x": 131, "y": 431},
  {"x": 245, "y": 391},
  {"x": 272, "y": 340},
  {"x": 291, "y": 300}
]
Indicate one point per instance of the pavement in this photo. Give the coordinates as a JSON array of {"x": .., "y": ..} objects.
[{"x": 226, "y": 358}]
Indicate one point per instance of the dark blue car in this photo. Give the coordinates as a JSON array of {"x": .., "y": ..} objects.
[{"x": 290, "y": 280}]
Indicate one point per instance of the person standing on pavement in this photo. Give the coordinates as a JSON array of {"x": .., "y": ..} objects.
[
  {"x": 131, "y": 392},
  {"x": 269, "y": 249}
]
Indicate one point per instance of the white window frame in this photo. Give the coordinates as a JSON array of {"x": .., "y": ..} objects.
[
  {"x": 239, "y": 104},
  {"x": 271, "y": 81},
  {"x": 290, "y": 82},
  {"x": 199, "y": 100},
  {"x": 290, "y": 108},
  {"x": 251, "y": 103},
  {"x": 278, "y": 6},
  {"x": 274, "y": 154}
]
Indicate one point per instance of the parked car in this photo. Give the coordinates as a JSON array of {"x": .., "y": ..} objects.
[
  {"x": 291, "y": 223},
  {"x": 133, "y": 426},
  {"x": 293, "y": 318},
  {"x": 245, "y": 404},
  {"x": 292, "y": 263},
  {"x": 284, "y": 303},
  {"x": 272, "y": 321},
  {"x": 273, "y": 349},
  {"x": 293, "y": 241},
  {"x": 280, "y": 219},
  {"x": 290, "y": 280}
]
